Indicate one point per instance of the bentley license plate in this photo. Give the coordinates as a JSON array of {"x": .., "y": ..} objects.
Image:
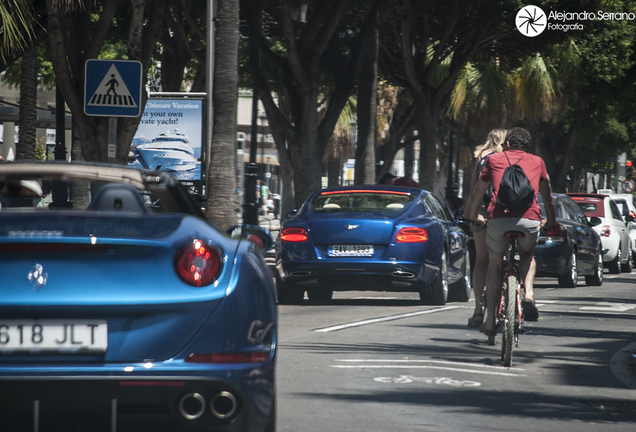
[
  {"x": 350, "y": 251},
  {"x": 63, "y": 336}
]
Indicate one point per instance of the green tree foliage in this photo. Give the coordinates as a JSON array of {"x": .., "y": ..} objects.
[{"x": 46, "y": 76}]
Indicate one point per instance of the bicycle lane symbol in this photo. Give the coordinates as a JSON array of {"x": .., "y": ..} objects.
[{"x": 408, "y": 379}]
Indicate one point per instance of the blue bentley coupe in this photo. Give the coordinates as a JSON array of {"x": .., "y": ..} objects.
[
  {"x": 376, "y": 238},
  {"x": 123, "y": 309}
]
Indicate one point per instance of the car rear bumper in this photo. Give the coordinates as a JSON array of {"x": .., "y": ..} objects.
[
  {"x": 611, "y": 245},
  {"x": 137, "y": 402},
  {"x": 367, "y": 276},
  {"x": 551, "y": 258}
]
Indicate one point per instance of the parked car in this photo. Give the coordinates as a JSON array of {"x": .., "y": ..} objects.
[
  {"x": 375, "y": 238},
  {"x": 572, "y": 248},
  {"x": 617, "y": 254},
  {"x": 123, "y": 307},
  {"x": 627, "y": 208}
]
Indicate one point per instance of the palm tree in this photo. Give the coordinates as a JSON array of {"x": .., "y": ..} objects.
[
  {"x": 221, "y": 175},
  {"x": 535, "y": 93},
  {"x": 481, "y": 99},
  {"x": 25, "y": 148},
  {"x": 17, "y": 22}
]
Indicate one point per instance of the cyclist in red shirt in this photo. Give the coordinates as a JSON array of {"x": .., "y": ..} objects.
[
  {"x": 516, "y": 147},
  {"x": 407, "y": 180}
]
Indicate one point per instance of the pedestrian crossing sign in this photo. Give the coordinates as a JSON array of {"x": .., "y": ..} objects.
[{"x": 112, "y": 88}]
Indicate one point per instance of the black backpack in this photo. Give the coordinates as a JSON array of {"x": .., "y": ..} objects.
[{"x": 515, "y": 191}]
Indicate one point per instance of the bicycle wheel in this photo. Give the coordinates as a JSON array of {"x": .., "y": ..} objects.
[{"x": 510, "y": 318}]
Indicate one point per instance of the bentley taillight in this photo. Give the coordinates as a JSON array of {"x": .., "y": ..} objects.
[
  {"x": 197, "y": 263},
  {"x": 411, "y": 235},
  {"x": 294, "y": 234}
]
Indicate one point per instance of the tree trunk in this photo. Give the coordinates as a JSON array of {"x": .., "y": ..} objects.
[
  {"x": 173, "y": 62},
  {"x": 367, "y": 111},
  {"x": 334, "y": 167},
  {"x": 221, "y": 179},
  {"x": 79, "y": 194},
  {"x": 427, "y": 132},
  {"x": 306, "y": 152},
  {"x": 25, "y": 149},
  {"x": 285, "y": 171}
]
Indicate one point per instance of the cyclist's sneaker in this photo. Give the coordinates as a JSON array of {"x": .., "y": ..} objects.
[{"x": 530, "y": 311}]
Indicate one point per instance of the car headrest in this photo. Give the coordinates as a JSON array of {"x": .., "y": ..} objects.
[{"x": 118, "y": 197}]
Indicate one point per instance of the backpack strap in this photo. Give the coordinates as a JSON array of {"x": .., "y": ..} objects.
[{"x": 519, "y": 160}]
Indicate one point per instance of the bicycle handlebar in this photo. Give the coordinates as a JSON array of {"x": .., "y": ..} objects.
[{"x": 463, "y": 219}]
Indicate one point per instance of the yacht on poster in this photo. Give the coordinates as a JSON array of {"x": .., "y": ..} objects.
[{"x": 169, "y": 151}]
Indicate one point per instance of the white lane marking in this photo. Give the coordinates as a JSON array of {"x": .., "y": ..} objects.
[
  {"x": 478, "y": 372},
  {"x": 608, "y": 307},
  {"x": 388, "y": 318},
  {"x": 444, "y": 362},
  {"x": 407, "y": 379}
]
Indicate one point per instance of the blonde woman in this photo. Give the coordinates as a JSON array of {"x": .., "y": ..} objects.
[{"x": 496, "y": 138}]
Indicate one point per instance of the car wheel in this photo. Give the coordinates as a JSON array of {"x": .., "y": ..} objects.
[
  {"x": 460, "y": 290},
  {"x": 628, "y": 266},
  {"x": 614, "y": 265},
  {"x": 597, "y": 278},
  {"x": 288, "y": 293},
  {"x": 571, "y": 276},
  {"x": 318, "y": 295},
  {"x": 437, "y": 292}
]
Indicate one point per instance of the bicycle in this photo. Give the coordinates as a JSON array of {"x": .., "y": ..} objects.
[{"x": 509, "y": 314}]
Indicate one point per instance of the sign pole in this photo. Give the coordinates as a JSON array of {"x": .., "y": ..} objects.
[{"x": 112, "y": 139}]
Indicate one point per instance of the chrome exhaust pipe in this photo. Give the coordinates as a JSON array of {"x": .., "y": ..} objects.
[
  {"x": 192, "y": 406},
  {"x": 223, "y": 405},
  {"x": 402, "y": 274},
  {"x": 300, "y": 273}
]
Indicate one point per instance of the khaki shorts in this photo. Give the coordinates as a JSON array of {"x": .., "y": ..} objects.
[{"x": 497, "y": 242}]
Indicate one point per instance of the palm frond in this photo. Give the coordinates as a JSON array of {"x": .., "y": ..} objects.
[
  {"x": 17, "y": 23},
  {"x": 535, "y": 86}
]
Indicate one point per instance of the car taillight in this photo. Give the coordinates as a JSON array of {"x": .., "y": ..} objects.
[
  {"x": 197, "y": 264},
  {"x": 294, "y": 234},
  {"x": 411, "y": 235},
  {"x": 237, "y": 357},
  {"x": 632, "y": 214},
  {"x": 605, "y": 231},
  {"x": 555, "y": 231}
]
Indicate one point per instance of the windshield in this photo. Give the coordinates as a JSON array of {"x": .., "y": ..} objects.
[{"x": 363, "y": 200}]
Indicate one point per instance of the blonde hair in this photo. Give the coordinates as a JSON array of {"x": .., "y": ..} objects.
[{"x": 495, "y": 140}]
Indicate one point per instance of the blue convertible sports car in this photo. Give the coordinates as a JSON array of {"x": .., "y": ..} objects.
[
  {"x": 379, "y": 238},
  {"x": 123, "y": 309}
]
